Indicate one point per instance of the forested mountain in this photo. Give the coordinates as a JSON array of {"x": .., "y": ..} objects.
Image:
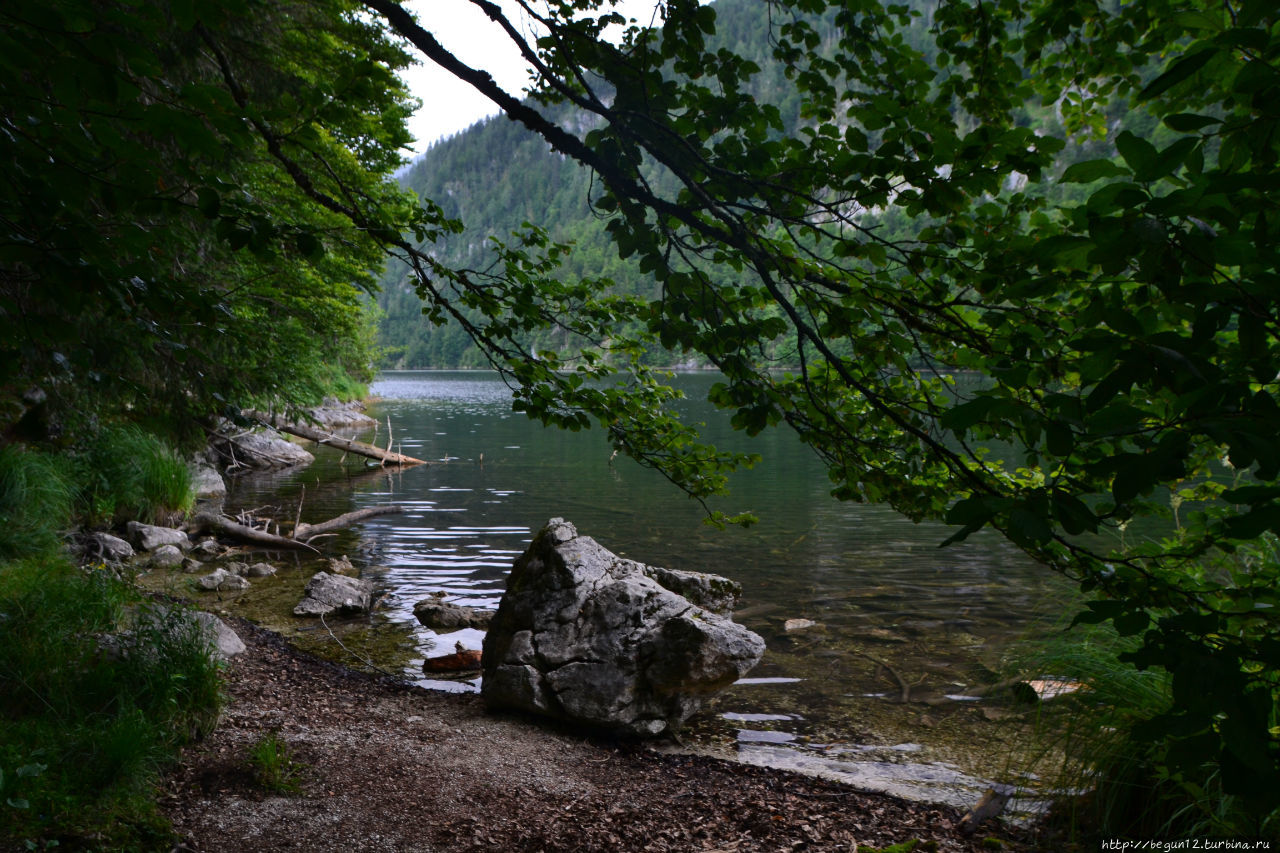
[{"x": 497, "y": 176}]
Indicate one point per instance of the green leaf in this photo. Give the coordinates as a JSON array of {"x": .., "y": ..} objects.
[
  {"x": 309, "y": 246},
  {"x": 208, "y": 201},
  {"x": 1027, "y": 526},
  {"x": 1138, "y": 153},
  {"x": 1131, "y": 622},
  {"x": 1189, "y": 122},
  {"x": 1097, "y": 612},
  {"x": 1089, "y": 171},
  {"x": 1179, "y": 71},
  {"x": 1072, "y": 513}
]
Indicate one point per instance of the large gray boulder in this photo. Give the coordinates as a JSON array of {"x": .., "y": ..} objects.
[
  {"x": 326, "y": 593},
  {"x": 206, "y": 482},
  {"x": 586, "y": 636},
  {"x": 264, "y": 449}
]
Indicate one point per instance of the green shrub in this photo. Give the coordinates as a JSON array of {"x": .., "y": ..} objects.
[
  {"x": 35, "y": 502},
  {"x": 97, "y": 691},
  {"x": 123, "y": 472}
]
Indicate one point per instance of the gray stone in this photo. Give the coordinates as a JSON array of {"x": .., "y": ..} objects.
[
  {"x": 342, "y": 566},
  {"x": 269, "y": 450},
  {"x": 335, "y": 413},
  {"x": 110, "y": 548},
  {"x": 710, "y": 592},
  {"x": 222, "y": 641},
  {"x": 222, "y": 580},
  {"x": 206, "y": 482},
  {"x": 148, "y": 537},
  {"x": 206, "y": 547},
  {"x": 326, "y": 593},
  {"x": 440, "y": 615},
  {"x": 158, "y": 624},
  {"x": 586, "y": 636},
  {"x": 263, "y": 449},
  {"x": 192, "y": 566},
  {"x": 257, "y": 570},
  {"x": 166, "y": 557}
]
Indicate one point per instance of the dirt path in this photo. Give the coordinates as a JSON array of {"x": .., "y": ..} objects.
[{"x": 391, "y": 767}]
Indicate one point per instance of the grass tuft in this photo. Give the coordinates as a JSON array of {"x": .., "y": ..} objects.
[
  {"x": 274, "y": 767},
  {"x": 125, "y": 473},
  {"x": 35, "y": 502}
]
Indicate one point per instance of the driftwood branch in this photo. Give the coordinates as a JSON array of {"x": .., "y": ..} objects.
[
  {"x": 905, "y": 695},
  {"x": 307, "y": 531},
  {"x": 233, "y": 529},
  {"x": 321, "y": 437}
]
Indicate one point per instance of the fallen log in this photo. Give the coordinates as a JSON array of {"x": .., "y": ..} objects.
[
  {"x": 205, "y": 521},
  {"x": 465, "y": 660},
  {"x": 307, "y": 531},
  {"x": 387, "y": 457}
]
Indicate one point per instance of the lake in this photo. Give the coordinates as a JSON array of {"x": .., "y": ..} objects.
[{"x": 892, "y": 612}]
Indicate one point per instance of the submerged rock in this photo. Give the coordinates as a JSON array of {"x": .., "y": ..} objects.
[
  {"x": 222, "y": 580},
  {"x": 440, "y": 615},
  {"x": 166, "y": 557},
  {"x": 257, "y": 570},
  {"x": 342, "y": 566},
  {"x": 587, "y": 636},
  {"x": 326, "y": 593},
  {"x": 260, "y": 570}
]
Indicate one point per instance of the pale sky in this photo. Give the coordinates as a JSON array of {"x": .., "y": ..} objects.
[{"x": 448, "y": 104}]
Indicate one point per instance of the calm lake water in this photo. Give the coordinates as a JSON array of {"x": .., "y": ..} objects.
[{"x": 893, "y": 613}]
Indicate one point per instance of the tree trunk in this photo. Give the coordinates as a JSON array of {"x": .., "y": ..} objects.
[{"x": 320, "y": 437}]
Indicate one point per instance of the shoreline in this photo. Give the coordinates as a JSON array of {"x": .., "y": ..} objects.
[{"x": 386, "y": 765}]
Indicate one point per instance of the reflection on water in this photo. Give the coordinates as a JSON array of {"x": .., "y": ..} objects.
[{"x": 895, "y": 627}]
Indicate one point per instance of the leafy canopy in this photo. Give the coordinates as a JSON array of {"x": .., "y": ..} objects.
[
  {"x": 160, "y": 252},
  {"x": 1123, "y": 310}
]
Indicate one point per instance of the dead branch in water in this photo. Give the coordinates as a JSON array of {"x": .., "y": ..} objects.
[
  {"x": 308, "y": 531},
  {"x": 205, "y": 521},
  {"x": 905, "y": 695}
]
